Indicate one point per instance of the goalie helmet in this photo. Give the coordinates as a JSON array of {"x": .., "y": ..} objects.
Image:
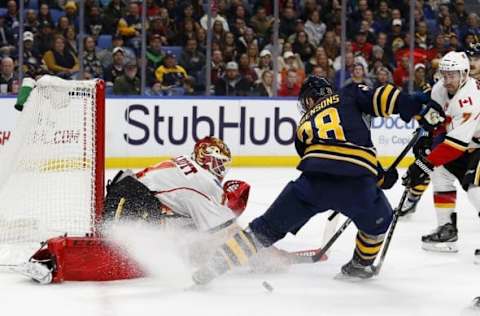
[
  {"x": 314, "y": 89},
  {"x": 213, "y": 154},
  {"x": 456, "y": 61}
]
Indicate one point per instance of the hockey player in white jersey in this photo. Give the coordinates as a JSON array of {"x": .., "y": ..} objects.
[
  {"x": 425, "y": 144},
  {"x": 457, "y": 156}
]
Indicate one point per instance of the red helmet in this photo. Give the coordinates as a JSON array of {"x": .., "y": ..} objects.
[{"x": 213, "y": 154}]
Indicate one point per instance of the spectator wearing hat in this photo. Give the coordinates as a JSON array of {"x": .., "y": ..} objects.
[
  {"x": 60, "y": 61},
  {"x": 128, "y": 83},
  {"x": 171, "y": 76},
  {"x": 91, "y": 63},
  {"x": 7, "y": 76},
  {"x": 420, "y": 83},
  {"x": 396, "y": 31},
  {"x": 232, "y": 83},
  {"x": 32, "y": 59},
  {"x": 192, "y": 60},
  {"x": 315, "y": 28},
  {"x": 116, "y": 69},
  {"x": 293, "y": 62},
  {"x": 290, "y": 86},
  {"x": 70, "y": 9},
  {"x": 361, "y": 45},
  {"x": 44, "y": 39},
  {"x": 114, "y": 11},
  {"x": 264, "y": 63}
]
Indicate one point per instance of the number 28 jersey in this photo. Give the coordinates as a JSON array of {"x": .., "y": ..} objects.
[{"x": 334, "y": 137}]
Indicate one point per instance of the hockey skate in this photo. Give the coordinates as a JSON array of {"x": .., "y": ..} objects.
[
  {"x": 354, "y": 270},
  {"x": 35, "y": 270},
  {"x": 409, "y": 206},
  {"x": 443, "y": 239}
]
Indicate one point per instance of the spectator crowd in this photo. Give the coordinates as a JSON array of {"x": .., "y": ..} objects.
[{"x": 377, "y": 47}]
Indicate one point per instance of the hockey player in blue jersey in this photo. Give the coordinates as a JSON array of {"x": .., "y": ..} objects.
[{"x": 340, "y": 171}]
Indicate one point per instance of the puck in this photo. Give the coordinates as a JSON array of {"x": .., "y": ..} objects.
[{"x": 267, "y": 286}]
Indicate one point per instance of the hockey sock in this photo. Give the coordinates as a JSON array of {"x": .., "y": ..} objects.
[
  {"x": 444, "y": 206},
  {"x": 367, "y": 247},
  {"x": 234, "y": 252},
  {"x": 417, "y": 191}
]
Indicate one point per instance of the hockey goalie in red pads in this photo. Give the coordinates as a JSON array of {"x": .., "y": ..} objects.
[{"x": 184, "y": 192}]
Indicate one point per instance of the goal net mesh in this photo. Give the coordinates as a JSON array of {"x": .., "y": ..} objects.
[{"x": 49, "y": 168}]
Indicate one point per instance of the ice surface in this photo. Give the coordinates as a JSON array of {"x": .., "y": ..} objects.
[{"x": 412, "y": 281}]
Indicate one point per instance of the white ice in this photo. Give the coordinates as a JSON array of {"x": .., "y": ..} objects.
[{"x": 412, "y": 281}]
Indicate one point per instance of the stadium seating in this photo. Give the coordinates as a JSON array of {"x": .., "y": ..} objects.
[
  {"x": 104, "y": 41},
  {"x": 177, "y": 50}
]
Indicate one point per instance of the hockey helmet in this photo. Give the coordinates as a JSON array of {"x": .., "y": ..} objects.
[
  {"x": 473, "y": 50},
  {"x": 456, "y": 61},
  {"x": 213, "y": 154},
  {"x": 314, "y": 89}
]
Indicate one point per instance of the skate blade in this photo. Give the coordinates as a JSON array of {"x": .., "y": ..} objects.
[
  {"x": 348, "y": 278},
  {"x": 447, "y": 247}
]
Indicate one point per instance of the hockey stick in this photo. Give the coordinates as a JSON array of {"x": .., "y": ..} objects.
[
  {"x": 315, "y": 255},
  {"x": 419, "y": 132}
]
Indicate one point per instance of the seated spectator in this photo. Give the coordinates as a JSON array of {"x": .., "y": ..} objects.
[
  {"x": 229, "y": 48},
  {"x": 44, "y": 14},
  {"x": 264, "y": 88},
  {"x": 215, "y": 17},
  {"x": 264, "y": 63},
  {"x": 292, "y": 62},
  {"x": 7, "y": 42},
  {"x": 11, "y": 17},
  {"x": 246, "y": 71},
  {"x": 246, "y": 40},
  {"x": 32, "y": 59},
  {"x": 128, "y": 83},
  {"x": 252, "y": 53},
  {"x": 361, "y": 45},
  {"x": 171, "y": 76},
  {"x": 60, "y": 61},
  {"x": 114, "y": 11},
  {"x": 217, "y": 32},
  {"x": 167, "y": 28},
  {"x": 70, "y": 9},
  {"x": 330, "y": 45},
  {"x": 44, "y": 39},
  {"x": 116, "y": 68},
  {"x": 130, "y": 26},
  {"x": 359, "y": 75},
  {"x": 91, "y": 64},
  {"x": 31, "y": 21},
  {"x": 201, "y": 39},
  {"x": 232, "y": 84},
  {"x": 62, "y": 26},
  {"x": 349, "y": 63},
  {"x": 422, "y": 38},
  {"x": 187, "y": 31},
  {"x": 382, "y": 77},
  {"x": 192, "y": 60},
  {"x": 94, "y": 22},
  {"x": 400, "y": 74},
  {"x": 288, "y": 21},
  {"x": 71, "y": 43},
  {"x": 8, "y": 77},
  {"x": 290, "y": 87},
  {"x": 382, "y": 17},
  {"x": 315, "y": 28},
  {"x": 155, "y": 57},
  {"x": 420, "y": 83},
  {"x": 303, "y": 47},
  {"x": 472, "y": 26},
  {"x": 261, "y": 22}
]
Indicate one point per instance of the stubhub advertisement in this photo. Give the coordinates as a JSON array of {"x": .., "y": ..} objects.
[{"x": 259, "y": 132}]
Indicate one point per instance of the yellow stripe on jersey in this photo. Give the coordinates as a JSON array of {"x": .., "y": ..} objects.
[
  {"x": 367, "y": 154},
  {"x": 351, "y": 160},
  {"x": 384, "y": 100}
]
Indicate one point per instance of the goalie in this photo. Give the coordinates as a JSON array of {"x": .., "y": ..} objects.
[{"x": 182, "y": 193}]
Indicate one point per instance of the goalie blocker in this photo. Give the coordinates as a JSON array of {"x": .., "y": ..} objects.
[{"x": 95, "y": 259}]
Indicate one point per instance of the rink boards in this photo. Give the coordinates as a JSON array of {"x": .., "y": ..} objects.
[{"x": 259, "y": 132}]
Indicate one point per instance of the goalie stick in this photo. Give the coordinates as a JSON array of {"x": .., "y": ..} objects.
[{"x": 315, "y": 255}]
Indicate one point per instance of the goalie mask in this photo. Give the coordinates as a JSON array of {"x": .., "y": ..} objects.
[{"x": 214, "y": 155}]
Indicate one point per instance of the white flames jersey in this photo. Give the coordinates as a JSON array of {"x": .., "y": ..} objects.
[
  {"x": 189, "y": 190},
  {"x": 463, "y": 113}
]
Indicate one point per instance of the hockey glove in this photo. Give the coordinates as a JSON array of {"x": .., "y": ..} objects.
[
  {"x": 418, "y": 173},
  {"x": 386, "y": 179},
  {"x": 431, "y": 115},
  {"x": 423, "y": 146},
  {"x": 236, "y": 194}
]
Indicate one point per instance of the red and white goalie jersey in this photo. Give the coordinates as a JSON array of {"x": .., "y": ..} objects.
[
  {"x": 462, "y": 118},
  {"x": 188, "y": 190}
]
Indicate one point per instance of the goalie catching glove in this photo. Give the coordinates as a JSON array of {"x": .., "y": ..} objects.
[{"x": 236, "y": 195}]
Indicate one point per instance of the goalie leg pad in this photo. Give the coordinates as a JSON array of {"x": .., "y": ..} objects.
[
  {"x": 128, "y": 198},
  {"x": 35, "y": 270}
]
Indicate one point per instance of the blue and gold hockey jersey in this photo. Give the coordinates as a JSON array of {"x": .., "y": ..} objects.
[{"x": 334, "y": 137}]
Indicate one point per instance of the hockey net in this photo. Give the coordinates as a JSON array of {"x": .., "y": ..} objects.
[{"x": 52, "y": 170}]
